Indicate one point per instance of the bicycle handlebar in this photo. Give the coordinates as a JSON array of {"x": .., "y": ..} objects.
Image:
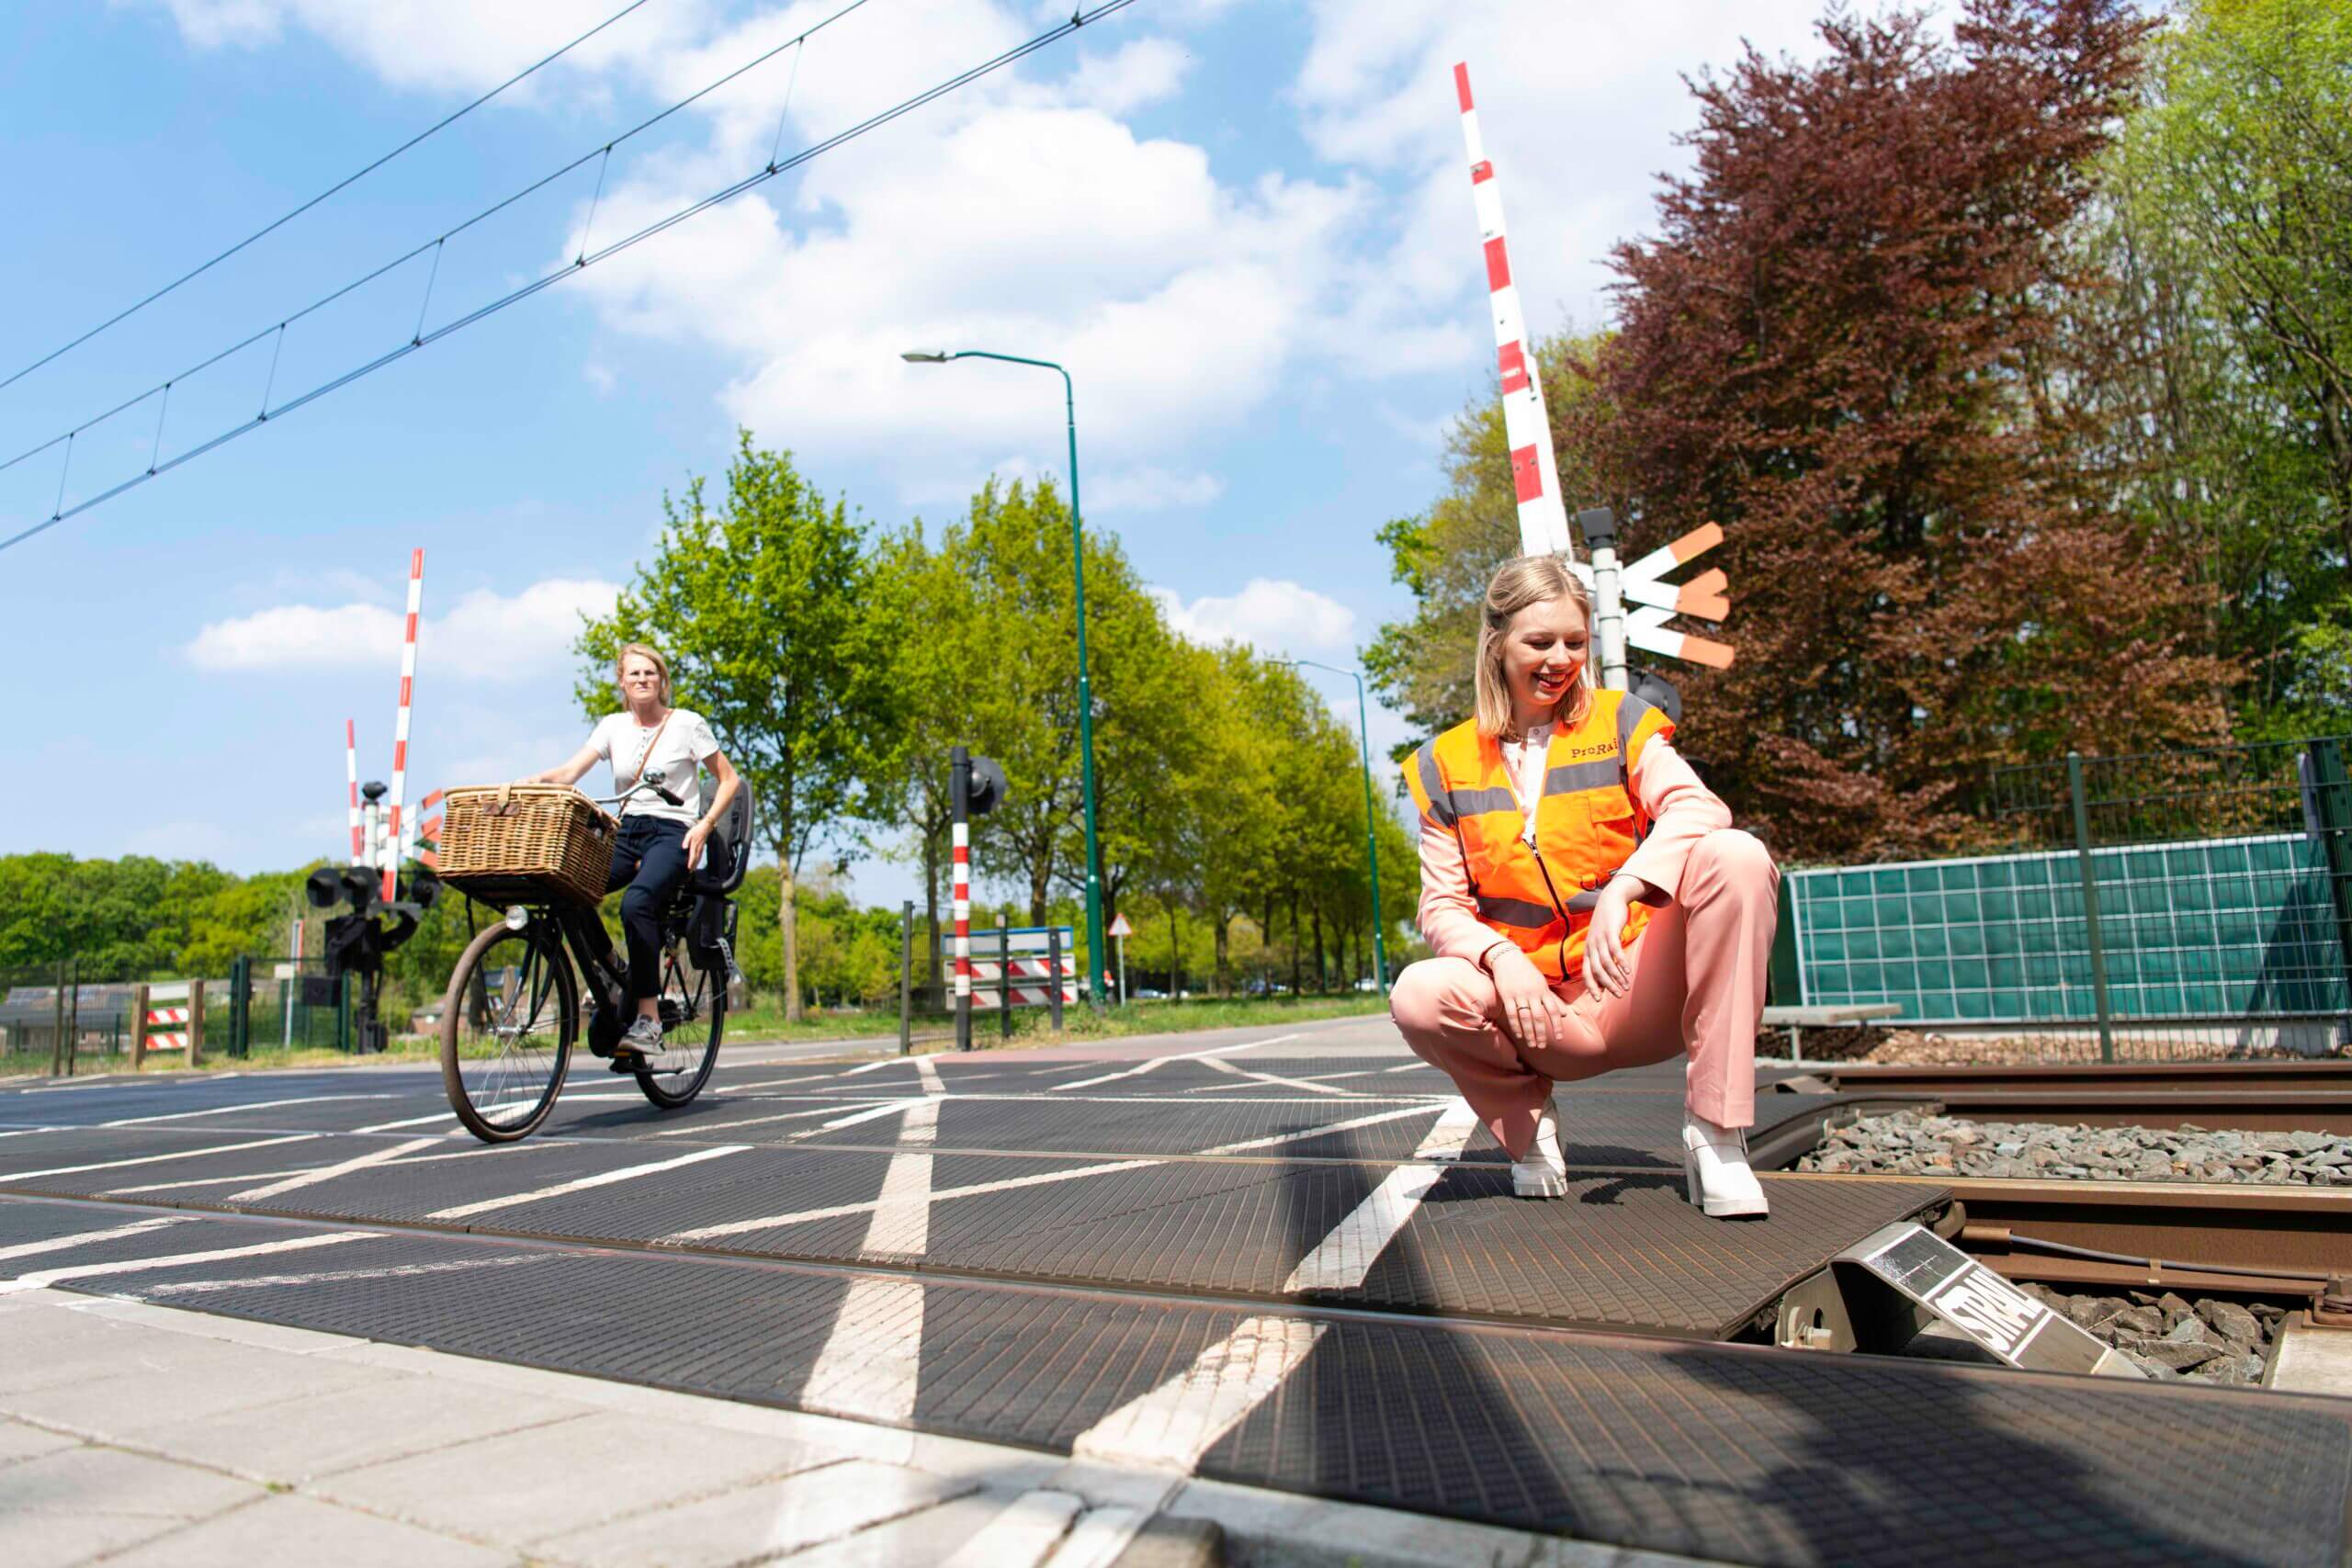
[{"x": 652, "y": 780}]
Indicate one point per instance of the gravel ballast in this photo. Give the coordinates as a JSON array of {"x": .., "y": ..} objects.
[
  {"x": 1906, "y": 1142},
  {"x": 2203, "y": 1339}
]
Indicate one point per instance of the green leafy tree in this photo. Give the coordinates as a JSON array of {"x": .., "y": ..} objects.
[
  {"x": 2230, "y": 232},
  {"x": 780, "y": 631}
]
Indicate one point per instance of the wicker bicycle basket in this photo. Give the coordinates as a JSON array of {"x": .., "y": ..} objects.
[{"x": 508, "y": 843}]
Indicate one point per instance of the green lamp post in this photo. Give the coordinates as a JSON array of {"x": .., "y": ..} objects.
[
  {"x": 1094, "y": 940},
  {"x": 1371, "y": 832}
]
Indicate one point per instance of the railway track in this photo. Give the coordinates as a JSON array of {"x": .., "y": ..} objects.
[{"x": 2260, "y": 1097}]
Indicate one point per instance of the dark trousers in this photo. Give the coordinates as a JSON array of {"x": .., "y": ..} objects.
[{"x": 649, "y": 860}]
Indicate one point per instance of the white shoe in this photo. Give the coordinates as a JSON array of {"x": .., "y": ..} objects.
[
  {"x": 1545, "y": 1172},
  {"x": 1714, "y": 1169}
]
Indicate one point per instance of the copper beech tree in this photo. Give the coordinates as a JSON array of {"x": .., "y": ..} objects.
[{"x": 1839, "y": 345}]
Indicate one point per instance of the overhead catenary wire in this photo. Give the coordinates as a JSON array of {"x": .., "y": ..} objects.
[
  {"x": 343, "y": 183},
  {"x": 397, "y": 262},
  {"x": 1055, "y": 34}
]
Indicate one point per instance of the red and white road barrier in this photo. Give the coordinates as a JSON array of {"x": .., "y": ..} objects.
[
  {"x": 392, "y": 843},
  {"x": 961, "y": 895},
  {"x": 167, "y": 1029},
  {"x": 351, "y": 777},
  {"x": 1032, "y": 983},
  {"x": 1527, "y": 427}
]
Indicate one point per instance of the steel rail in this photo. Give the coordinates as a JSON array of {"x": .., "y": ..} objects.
[
  {"x": 2254, "y": 1239},
  {"x": 2306, "y": 1096}
]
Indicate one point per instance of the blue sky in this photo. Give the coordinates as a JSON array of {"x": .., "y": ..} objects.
[{"x": 1245, "y": 227}]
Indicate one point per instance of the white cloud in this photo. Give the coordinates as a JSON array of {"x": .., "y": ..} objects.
[
  {"x": 485, "y": 636},
  {"x": 1146, "y": 71},
  {"x": 1274, "y": 616},
  {"x": 460, "y": 44},
  {"x": 1150, "y": 489}
]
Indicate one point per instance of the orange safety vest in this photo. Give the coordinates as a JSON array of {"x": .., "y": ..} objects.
[{"x": 1541, "y": 896}]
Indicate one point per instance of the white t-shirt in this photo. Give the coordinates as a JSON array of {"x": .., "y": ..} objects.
[
  {"x": 1524, "y": 760},
  {"x": 678, "y": 747}
]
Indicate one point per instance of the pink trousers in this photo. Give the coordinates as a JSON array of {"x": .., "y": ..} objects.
[{"x": 1698, "y": 985}]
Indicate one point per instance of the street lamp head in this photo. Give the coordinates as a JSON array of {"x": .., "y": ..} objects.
[{"x": 925, "y": 357}]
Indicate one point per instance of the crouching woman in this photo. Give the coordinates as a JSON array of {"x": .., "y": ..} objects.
[{"x": 1589, "y": 903}]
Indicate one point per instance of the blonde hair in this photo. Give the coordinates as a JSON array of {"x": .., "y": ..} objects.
[
  {"x": 653, "y": 654},
  {"x": 1517, "y": 583}
]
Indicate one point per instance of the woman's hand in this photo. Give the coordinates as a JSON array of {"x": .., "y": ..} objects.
[
  {"x": 1531, "y": 1014},
  {"x": 696, "y": 837},
  {"x": 1605, "y": 963}
]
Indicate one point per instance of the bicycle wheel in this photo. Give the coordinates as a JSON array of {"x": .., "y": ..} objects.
[
  {"x": 693, "y": 1016},
  {"x": 506, "y": 1031}
]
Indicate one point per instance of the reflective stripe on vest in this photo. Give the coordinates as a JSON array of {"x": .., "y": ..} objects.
[{"x": 1586, "y": 823}]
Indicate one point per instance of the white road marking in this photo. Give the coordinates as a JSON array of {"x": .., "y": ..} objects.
[
  {"x": 60, "y": 1243},
  {"x": 1022, "y": 1535},
  {"x": 152, "y": 1160},
  {"x": 876, "y": 1066},
  {"x": 412, "y": 1122},
  {"x": 872, "y": 1362},
  {"x": 1222, "y": 1066},
  {"x": 21, "y": 1131},
  {"x": 771, "y": 1083},
  {"x": 871, "y": 1113},
  {"x": 329, "y": 1172},
  {"x": 705, "y": 1129},
  {"x": 479, "y": 1151},
  {"x": 331, "y": 1276},
  {"x": 233, "y": 1109},
  {"x": 1173, "y": 1425},
  {"x": 928, "y": 1071},
  {"x": 1341, "y": 1259},
  {"x": 1452, "y": 1134},
  {"x": 736, "y": 1228},
  {"x": 47, "y": 1277},
  {"x": 628, "y": 1173},
  {"x": 1156, "y": 1062},
  {"x": 1375, "y": 1120},
  {"x": 1412, "y": 1067}
]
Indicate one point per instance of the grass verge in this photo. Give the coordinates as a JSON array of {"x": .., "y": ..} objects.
[{"x": 766, "y": 1026}]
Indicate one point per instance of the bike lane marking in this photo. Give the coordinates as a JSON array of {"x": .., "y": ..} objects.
[
  {"x": 1173, "y": 1425},
  {"x": 628, "y": 1173}
]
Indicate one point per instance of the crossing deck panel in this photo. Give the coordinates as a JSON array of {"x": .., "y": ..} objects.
[{"x": 1718, "y": 1451}]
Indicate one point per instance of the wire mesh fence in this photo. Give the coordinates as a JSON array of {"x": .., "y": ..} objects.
[{"x": 2186, "y": 904}]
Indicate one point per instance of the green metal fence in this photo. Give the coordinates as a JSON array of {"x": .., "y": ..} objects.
[{"x": 2192, "y": 903}]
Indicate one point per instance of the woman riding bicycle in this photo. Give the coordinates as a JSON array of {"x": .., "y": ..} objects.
[{"x": 659, "y": 843}]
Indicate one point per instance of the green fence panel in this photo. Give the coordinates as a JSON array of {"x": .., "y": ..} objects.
[{"x": 2241, "y": 928}]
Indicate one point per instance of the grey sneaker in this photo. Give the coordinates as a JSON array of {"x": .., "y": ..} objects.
[{"x": 644, "y": 1036}]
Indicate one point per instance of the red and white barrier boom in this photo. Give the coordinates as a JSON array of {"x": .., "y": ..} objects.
[
  {"x": 351, "y": 776},
  {"x": 392, "y": 840},
  {"x": 1535, "y": 473},
  {"x": 1527, "y": 427}
]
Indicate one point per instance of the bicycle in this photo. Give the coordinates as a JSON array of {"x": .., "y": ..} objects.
[{"x": 512, "y": 1008}]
